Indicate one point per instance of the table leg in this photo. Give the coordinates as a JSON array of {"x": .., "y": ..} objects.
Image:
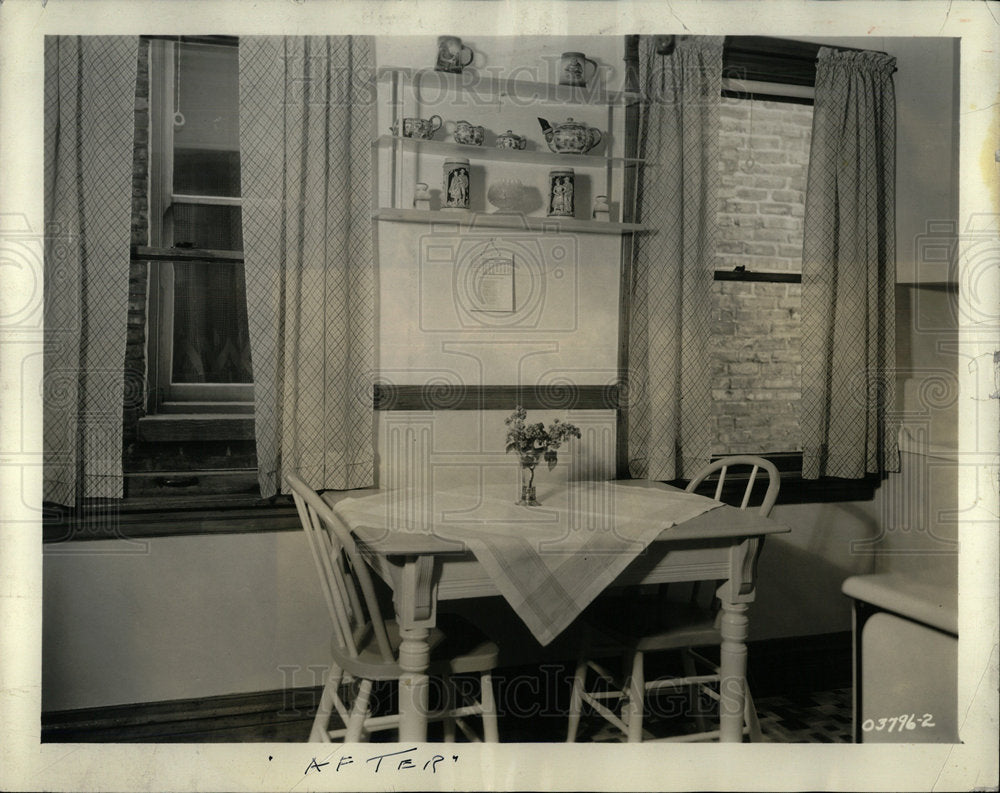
[
  {"x": 732, "y": 670},
  {"x": 414, "y": 600},
  {"x": 414, "y": 656}
]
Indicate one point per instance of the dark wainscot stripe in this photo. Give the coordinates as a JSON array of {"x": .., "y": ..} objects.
[{"x": 495, "y": 397}]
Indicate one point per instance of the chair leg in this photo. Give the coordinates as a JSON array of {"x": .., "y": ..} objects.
[
  {"x": 321, "y": 723},
  {"x": 750, "y": 717},
  {"x": 694, "y": 692},
  {"x": 449, "y": 705},
  {"x": 491, "y": 732},
  {"x": 355, "y": 725},
  {"x": 576, "y": 701},
  {"x": 636, "y": 698}
]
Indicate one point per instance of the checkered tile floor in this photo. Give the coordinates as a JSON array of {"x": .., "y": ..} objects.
[
  {"x": 817, "y": 717},
  {"x": 797, "y": 717}
]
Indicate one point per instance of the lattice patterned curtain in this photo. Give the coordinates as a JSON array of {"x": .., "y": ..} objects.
[
  {"x": 849, "y": 270},
  {"x": 89, "y": 122},
  {"x": 307, "y": 119},
  {"x": 669, "y": 395}
]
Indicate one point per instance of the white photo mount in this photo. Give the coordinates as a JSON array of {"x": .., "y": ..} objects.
[{"x": 493, "y": 283}]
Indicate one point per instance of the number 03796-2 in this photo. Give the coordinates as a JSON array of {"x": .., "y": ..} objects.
[{"x": 905, "y": 721}]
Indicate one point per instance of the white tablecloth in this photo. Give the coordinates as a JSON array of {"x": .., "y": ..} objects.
[{"x": 549, "y": 561}]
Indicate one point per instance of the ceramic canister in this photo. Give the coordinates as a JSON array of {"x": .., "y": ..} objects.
[
  {"x": 601, "y": 209},
  {"x": 456, "y": 183},
  {"x": 561, "y": 190},
  {"x": 421, "y": 196}
]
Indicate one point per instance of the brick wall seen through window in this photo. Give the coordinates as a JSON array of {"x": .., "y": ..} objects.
[{"x": 757, "y": 364}]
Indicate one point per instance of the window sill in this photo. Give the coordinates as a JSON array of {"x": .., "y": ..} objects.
[
  {"x": 795, "y": 489},
  {"x": 143, "y": 518},
  {"x": 135, "y": 520},
  {"x": 196, "y": 427}
]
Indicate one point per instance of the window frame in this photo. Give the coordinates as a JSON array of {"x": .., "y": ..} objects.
[{"x": 164, "y": 395}]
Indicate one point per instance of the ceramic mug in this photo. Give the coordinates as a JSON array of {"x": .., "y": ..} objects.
[
  {"x": 452, "y": 55},
  {"x": 423, "y": 128},
  {"x": 469, "y": 134},
  {"x": 456, "y": 183},
  {"x": 573, "y": 68},
  {"x": 508, "y": 140},
  {"x": 561, "y": 188}
]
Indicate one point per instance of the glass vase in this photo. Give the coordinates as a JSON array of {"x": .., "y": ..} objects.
[{"x": 528, "y": 487}]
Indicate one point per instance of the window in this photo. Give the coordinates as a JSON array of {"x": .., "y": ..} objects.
[
  {"x": 756, "y": 329},
  {"x": 765, "y": 134},
  {"x": 199, "y": 349},
  {"x": 189, "y": 337}
]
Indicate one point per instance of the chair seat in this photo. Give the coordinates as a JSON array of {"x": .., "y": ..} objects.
[
  {"x": 669, "y": 626},
  {"x": 457, "y": 648}
]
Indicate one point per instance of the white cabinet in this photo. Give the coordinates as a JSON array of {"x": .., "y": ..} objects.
[{"x": 905, "y": 659}]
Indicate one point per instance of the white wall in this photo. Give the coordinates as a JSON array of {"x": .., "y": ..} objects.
[
  {"x": 178, "y": 617},
  {"x": 203, "y": 616}
]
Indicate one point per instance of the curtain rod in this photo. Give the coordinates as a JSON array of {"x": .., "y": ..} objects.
[
  {"x": 227, "y": 41},
  {"x": 665, "y": 44}
]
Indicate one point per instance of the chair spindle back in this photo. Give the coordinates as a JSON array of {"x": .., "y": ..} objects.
[
  {"x": 756, "y": 464},
  {"x": 344, "y": 576},
  {"x": 702, "y": 593}
]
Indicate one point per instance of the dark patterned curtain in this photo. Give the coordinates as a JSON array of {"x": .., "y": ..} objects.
[
  {"x": 89, "y": 123},
  {"x": 307, "y": 120},
  {"x": 849, "y": 270},
  {"x": 669, "y": 396}
]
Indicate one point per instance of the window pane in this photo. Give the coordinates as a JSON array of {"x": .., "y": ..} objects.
[
  {"x": 207, "y": 141},
  {"x": 204, "y": 172},
  {"x": 215, "y": 228},
  {"x": 211, "y": 337}
]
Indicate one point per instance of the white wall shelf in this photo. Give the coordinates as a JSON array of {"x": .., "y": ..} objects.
[
  {"x": 539, "y": 157},
  {"x": 487, "y": 86},
  {"x": 402, "y": 162},
  {"x": 474, "y": 220}
]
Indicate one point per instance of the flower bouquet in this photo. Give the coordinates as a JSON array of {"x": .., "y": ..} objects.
[{"x": 533, "y": 443}]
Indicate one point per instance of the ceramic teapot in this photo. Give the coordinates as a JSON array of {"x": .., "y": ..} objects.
[{"x": 570, "y": 137}]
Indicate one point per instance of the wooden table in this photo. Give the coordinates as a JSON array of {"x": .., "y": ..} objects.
[{"x": 423, "y": 569}]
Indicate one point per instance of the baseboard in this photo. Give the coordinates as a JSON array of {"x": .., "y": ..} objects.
[
  {"x": 267, "y": 716},
  {"x": 775, "y": 666},
  {"x": 800, "y": 664}
]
